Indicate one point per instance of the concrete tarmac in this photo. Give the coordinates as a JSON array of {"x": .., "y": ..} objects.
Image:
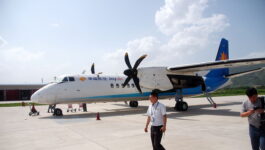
[{"x": 122, "y": 127}]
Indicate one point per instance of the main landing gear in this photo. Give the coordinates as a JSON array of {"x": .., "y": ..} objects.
[
  {"x": 183, "y": 106},
  {"x": 133, "y": 103},
  {"x": 55, "y": 111},
  {"x": 209, "y": 98},
  {"x": 180, "y": 104},
  {"x": 58, "y": 112}
]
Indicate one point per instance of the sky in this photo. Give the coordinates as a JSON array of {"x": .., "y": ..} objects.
[{"x": 41, "y": 39}]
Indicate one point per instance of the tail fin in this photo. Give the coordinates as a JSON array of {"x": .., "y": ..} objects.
[{"x": 222, "y": 54}]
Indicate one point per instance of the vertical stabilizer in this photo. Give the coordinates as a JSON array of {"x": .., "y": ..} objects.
[{"x": 222, "y": 54}]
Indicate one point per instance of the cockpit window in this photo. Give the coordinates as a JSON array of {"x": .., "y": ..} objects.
[
  {"x": 71, "y": 79},
  {"x": 68, "y": 79},
  {"x": 65, "y": 79}
]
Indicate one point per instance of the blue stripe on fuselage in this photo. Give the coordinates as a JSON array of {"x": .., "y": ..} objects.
[{"x": 211, "y": 83}]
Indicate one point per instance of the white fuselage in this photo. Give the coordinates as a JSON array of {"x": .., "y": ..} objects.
[{"x": 88, "y": 89}]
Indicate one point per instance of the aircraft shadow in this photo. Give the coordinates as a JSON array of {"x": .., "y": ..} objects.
[
  {"x": 201, "y": 110},
  {"x": 172, "y": 114},
  {"x": 109, "y": 113}
]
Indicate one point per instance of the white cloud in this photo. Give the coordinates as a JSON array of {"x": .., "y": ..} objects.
[
  {"x": 184, "y": 22},
  {"x": 256, "y": 55},
  {"x": 2, "y": 42},
  {"x": 19, "y": 54},
  {"x": 55, "y": 25},
  {"x": 175, "y": 15},
  {"x": 187, "y": 29},
  {"x": 135, "y": 47}
]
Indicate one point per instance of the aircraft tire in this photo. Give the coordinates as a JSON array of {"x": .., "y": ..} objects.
[
  {"x": 181, "y": 106},
  {"x": 133, "y": 103},
  {"x": 178, "y": 106},
  {"x": 184, "y": 106},
  {"x": 58, "y": 112}
]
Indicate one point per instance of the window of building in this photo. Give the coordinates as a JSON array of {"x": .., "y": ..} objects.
[
  {"x": 128, "y": 85},
  {"x": 117, "y": 85},
  {"x": 112, "y": 85}
]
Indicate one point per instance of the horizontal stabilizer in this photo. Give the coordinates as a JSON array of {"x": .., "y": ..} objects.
[{"x": 244, "y": 73}]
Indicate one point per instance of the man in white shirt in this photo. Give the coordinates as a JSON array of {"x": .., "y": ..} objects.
[{"x": 157, "y": 116}]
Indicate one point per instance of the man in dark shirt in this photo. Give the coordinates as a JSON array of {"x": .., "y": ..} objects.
[{"x": 252, "y": 108}]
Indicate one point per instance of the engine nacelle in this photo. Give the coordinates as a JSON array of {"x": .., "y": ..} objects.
[
  {"x": 160, "y": 78},
  {"x": 154, "y": 78}
]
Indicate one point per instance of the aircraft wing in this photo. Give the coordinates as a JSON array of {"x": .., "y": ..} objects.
[
  {"x": 244, "y": 73},
  {"x": 216, "y": 65}
]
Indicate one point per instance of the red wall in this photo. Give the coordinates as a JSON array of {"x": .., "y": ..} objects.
[{"x": 12, "y": 94}]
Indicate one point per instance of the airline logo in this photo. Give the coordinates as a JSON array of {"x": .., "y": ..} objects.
[
  {"x": 106, "y": 78},
  {"x": 223, "y": 56},
  {"x": 82, "y": 78}
]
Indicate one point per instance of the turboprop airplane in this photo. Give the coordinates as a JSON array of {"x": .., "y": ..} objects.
[{"x": 185, "y": 80}]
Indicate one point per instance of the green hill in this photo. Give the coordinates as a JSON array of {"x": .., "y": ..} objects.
[{"x": 252, "y": 79}]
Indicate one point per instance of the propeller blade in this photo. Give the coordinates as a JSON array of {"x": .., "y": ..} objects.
[
  {"x": 132, "y": 72},
  {"x": 137, "y": 63},
  {"x": 126, "y": 81},
  {"x": 127, "y": 61},
  {"x": 136, "y": 82},
  {"x": 93, "y": 68}
]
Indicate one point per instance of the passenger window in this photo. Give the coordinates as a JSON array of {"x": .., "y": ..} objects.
[
  {"x": 117, "y": 85},
  {"x": 132, "y": 85},
  {"x": 71, "y": 79},
  {"x": 65, "y": 79},
  {"x": 112, "y": 85},
  {"x": 128, "y": 85}
]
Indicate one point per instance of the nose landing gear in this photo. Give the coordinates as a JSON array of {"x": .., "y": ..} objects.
[{"x": 58, "y": 112}]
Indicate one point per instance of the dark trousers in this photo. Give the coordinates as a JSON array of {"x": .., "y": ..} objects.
[
  {"x": 156, "y": 136},
  {"x": 257, "y": 137}
]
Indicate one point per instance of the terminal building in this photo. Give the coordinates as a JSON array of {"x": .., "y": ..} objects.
[{"x": 15, "y": 92}]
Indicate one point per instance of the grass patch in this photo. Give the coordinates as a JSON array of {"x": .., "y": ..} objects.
[
  {"x": 234, "y": 92},
  {"x": 18, "y": 104}
]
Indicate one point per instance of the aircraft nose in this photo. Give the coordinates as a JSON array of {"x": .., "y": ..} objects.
[
  {"x": 44, "y": 95},
  {"x": 34, "y": 97}
]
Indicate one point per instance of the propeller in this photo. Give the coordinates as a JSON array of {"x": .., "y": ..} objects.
[
  {"x": 93, "y": 68},
  {"x": 131, "y": 72}
]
